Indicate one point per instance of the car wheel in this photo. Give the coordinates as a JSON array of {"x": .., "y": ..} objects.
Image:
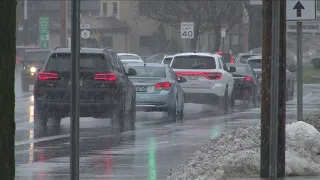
[
  {"x": 24, "y": 86},
  {"x": 117, "y": 118},
  {"x": 232, "y": 101},
  {"x": 132, "y": 113},
  {"x": 40, "y": 117},
  {"x": 223, "y": 104},
  {"x": 181, "y": 112},
  {"x": 173, "y": 112},
  {"x": 254, "y": 100}
]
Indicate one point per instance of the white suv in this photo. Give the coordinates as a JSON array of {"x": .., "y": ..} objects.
[{"x": 209, "y": 79}]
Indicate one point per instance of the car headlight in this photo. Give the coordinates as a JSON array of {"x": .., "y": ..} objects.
[{"x": 33, "y": 69}]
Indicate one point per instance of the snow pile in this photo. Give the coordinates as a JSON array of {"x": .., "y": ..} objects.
[{"x": 237, "y": 153}]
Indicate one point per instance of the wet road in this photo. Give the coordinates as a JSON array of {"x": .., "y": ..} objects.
[{"x": 149, "y": 152}]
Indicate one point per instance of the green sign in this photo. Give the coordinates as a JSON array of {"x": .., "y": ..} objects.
[{"x": 44, "y": 32}]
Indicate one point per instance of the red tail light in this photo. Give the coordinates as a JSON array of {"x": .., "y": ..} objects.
[
  {"x": 105, "y": 76},
  {"x": 214, "y": 75},
  {"x": 208, "y": 75},
  {"x": 163, "y": 85},
  {"x": 47, "y": 76},
  {"x": 248, "y": 78},
  {"x": 231, "y": 60}
]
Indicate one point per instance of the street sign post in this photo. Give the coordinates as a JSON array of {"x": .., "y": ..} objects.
[
  {"x": 75, "y": 93},
  {"x": 44, "y": 32},
  {"x": 303, "y": 10},
  {"x": 187, "y": 30}
]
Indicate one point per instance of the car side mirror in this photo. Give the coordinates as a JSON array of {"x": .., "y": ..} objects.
[
  {"x": 131, "y": 72},
  {"x": 182, "y": 79},
  {"x": 232, "y": 69}
]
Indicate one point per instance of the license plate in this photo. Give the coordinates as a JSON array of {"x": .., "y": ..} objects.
[
  {"x": 141, "y": 88},
  {"x": 192, "y": 77}
]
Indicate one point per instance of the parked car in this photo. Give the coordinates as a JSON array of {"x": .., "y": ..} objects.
[
  {"x": 246, "y": 85},
  {"x": 158, "y": 89},
  {"x": 33, "y": 61},
  {"x": 105, "y": 89},
  {"x": 209, "y": 79}
]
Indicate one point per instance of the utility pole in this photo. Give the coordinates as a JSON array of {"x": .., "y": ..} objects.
[
  {"x": 273, "y": 105},
  {"x": 25, "y": 23},
  {"x": 63, "y": 23}
]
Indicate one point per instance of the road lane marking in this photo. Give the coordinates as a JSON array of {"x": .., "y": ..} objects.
[{"x": 42, "y": 139}]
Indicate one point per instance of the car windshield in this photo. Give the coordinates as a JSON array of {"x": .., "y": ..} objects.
[
  {"x": 89, "y": 61},
  {"x": 40, "y": 56},
  {"x": 167, "y": 60},
  {"x": 149, "y": 71},
  {"x": 193, "y": 62},
  {"x": 129, "y": 57},
  {"x": 255, "y": 63}
]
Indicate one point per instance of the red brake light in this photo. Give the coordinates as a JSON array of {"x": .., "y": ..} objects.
[
  {"x": 248, "y": 78},
  {"x": 214, "y": 75},
  {"x": 105, "y": 76},
  {"x": 163, "y": 85},
  {"x": 219, "y": 52},
  {"x": 47, "y": 76},
  {"x": 231, "y": 60}
]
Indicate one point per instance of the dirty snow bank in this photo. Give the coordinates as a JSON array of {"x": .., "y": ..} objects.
[{"x": 237, "y": 153}]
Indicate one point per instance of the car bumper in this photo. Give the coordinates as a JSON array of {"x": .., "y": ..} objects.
[
  {"x": 243, "y": 93},
  {"x": 154, "y": 102},
  {"x": 201, "y": 98}
]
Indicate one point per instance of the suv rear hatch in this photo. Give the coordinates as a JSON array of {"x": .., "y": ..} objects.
[
  {"x": 54, "y": 80},
  {"x": 200, "y": 71}
]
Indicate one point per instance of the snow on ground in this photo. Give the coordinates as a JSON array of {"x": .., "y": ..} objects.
[{"x": 237, "y": 153}]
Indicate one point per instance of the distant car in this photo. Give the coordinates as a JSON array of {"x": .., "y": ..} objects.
[
  {"x": 246, "y": 84},
  {"x": 256, "y": 64},
  {"x": 157, "y": 58},
  {"x": 209, "y": 79},
  {"x": 33, "y": 61},
  {"x": 105, "y": 89},
  {"x": 167, "y": 59},
  {"x": 158, "y": 89},
  {"x": 130, "y": 58},
  {"x": 227, "y": 57},
  {"x": 243, "y": 57}
]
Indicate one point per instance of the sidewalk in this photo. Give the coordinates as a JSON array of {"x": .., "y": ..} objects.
[{"x": 286, "y": 178}]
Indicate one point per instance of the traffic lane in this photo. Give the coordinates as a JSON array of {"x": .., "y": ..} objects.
[{"x": 151, "y": 154}]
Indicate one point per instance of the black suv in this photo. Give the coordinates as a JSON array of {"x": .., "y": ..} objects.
[
  {"x": 105, "y": 90},
  {"x": 33, "y": 61}
]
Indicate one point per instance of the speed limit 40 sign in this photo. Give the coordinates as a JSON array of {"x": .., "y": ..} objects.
[{"x": 187, "y": 30}]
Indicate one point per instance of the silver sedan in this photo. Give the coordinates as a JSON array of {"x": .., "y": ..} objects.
[{"x": 158, "y": 89}]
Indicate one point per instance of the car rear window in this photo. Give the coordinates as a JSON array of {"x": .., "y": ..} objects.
[
  {"x": 193, "y": 62},
  {"x": 88, "y": 62},
  {"x": 148, "y": 71},
  {"x": 255, "y": 63},
  {"x": 241, "y": 70},
  {"x": 244, "y": 58},
  {"x": 129, "y": 57},
  {"x": 37, "y": 56},
  {"x": 167, "y": 60}
]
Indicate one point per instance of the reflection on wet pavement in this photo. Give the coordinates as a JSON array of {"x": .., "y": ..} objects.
[{"x": 147, "y": 152}]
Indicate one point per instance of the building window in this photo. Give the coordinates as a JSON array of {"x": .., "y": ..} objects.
[
  {"x": 145, "y": 41},
  {"x": 104, "y": 8},
  {"x": 115, "y": 8}
]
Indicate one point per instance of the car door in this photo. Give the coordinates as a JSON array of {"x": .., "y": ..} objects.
[
  {"x": 126, "y": 84},
  {"x": 179, "y": 90}
]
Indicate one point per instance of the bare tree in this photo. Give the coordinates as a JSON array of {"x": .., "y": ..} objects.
[
  {"x": 206, "y": 15},
  {"x": 7, "y": 97}
]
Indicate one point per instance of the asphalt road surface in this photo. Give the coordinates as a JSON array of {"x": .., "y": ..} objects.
[{"x": 147, "y": 153}]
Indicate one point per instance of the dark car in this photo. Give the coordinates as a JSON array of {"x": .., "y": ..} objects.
[
  {"x": 256, "y": 64},
  {"x": 105, "y": 89},
  {"x": 246, "y": 84},
  {"x": 227, "y": 57},
  {"x": 33, "y": 61}
]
